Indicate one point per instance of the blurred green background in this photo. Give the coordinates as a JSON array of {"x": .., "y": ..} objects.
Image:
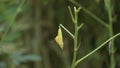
[{"x": 28, "y": 29}]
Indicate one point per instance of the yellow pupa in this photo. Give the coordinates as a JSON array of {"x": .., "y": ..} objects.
[{"x": 59, "y": 38}]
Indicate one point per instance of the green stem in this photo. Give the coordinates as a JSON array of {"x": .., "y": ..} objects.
[
  {"x": 91, "y": 14},
  {"x": 75, "y": 39},
  {"x": 100, "y": 46},
  {"x": 75, "y": 46},
  {"x": 72, "y": 17},
  {"x": 108, "y": 7},
  {"x": 79, "y": 27},
  {"x": 112, "y": 51},
  {"x": 67, "y": 31}
]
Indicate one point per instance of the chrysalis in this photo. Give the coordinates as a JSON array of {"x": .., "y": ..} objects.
[
  {"x": 59, "y": 38},
  {"x": 110, "y": 44}
]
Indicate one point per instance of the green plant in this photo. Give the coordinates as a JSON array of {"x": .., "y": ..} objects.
[
  {"x": 108, "y": 6},
  {"x": 74, "y": 17}
]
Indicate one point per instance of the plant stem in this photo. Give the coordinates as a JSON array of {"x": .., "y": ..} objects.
[
  {"x": 112, "y": 57},
  {"x": 100, "y": 46},
  {"x": 80, "y": 26},
  {"x": 91, "y": 14},
  {"x": 72, "y": 17},
  {"x": 108, "y": 7},
  {"x": 67, "y": 31},
  {"x": 75, "y": 39},
  {"x": 112, "y": 51},
  {"x": 75, "y": 46}
]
